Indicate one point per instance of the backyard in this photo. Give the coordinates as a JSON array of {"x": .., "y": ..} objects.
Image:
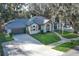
[
  {"x": 68, "y": 35},
  {"x": 3, "y": 39},
  {"x": 46, "y": 38},
  {"x": 67, "y": 46}
]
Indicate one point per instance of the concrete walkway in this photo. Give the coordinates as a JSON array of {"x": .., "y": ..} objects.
[
  {"x": 26, "y": 45},
  {"x": 63, "y": 40}
]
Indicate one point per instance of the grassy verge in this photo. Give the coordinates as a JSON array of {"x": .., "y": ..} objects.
[
  {"x": 46, "y": 38},
  {"x": 3, "y": 39},
  {"x": 67, "y": 46},
  {"x": 68, "y": 35}
]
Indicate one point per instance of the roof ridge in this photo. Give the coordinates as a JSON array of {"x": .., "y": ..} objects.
[{"x": 8, "y": 22}]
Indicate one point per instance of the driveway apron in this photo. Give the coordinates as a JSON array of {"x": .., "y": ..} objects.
[{"x": 25, "y": 45}]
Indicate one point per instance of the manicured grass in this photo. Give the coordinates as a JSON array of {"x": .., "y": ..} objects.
[
  {"x": 46, "y": 38},
  {"x": 68, "y": 34},
  {"x": 67, "y": 46},
  {"x": 3, "y": 39}
]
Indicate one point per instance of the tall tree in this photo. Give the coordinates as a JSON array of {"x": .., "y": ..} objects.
[
  {"x": 9, "y": 11},
  {"x": 65, "y": 11}
]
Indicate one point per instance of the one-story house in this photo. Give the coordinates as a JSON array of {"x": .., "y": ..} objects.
[{"x": 32, "y": 26}]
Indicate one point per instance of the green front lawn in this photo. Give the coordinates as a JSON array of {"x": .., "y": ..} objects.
[
  {"x": 46, "y": 38},
  {"x": 3, "y": 39},
  {"x": 67, "y": 46},
  {"x": 68, "y": 34}
]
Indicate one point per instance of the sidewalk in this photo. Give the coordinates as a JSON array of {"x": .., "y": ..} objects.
[{"x": 63, "y": 40}]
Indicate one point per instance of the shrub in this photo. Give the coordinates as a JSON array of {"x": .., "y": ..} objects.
[
  {"x": 42, "y": 31},
  {"x": 10, "y": 34}
]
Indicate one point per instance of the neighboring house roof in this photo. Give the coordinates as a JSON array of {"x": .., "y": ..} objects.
[
  {"x": 19, "y": 23},
  {"x": 38, "y": 20},
  {"x": 16, "y": 23}
]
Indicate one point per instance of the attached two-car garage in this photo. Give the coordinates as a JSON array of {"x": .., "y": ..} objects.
[
  {"x": 19, "y": 31},
  {"x": 16, "y": 26}
]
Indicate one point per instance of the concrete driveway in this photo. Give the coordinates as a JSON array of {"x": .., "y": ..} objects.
[
  {"x": 25, "y": 38},
  {"x": 25, "y": 45}
]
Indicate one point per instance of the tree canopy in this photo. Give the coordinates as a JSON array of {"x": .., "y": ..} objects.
[{"x": 64, "y": 11}]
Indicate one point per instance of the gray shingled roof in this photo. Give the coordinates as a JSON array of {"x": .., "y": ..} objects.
[
  {"x": 37, "y": 19},
  {"x": 17, "y": 23},
  {"x": 20, "y": 23}
]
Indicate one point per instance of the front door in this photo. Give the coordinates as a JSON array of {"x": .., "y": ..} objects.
[
  {"x": 55, "y": 26},
  {"x": 48, "y": 27}
]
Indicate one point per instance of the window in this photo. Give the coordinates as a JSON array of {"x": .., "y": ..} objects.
[
  {"x": 33, "y": 26},
  {"x": 48, "y": 24},
  {"x": 33, "y": 29},
  {"x": 39, "y": 27}
]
